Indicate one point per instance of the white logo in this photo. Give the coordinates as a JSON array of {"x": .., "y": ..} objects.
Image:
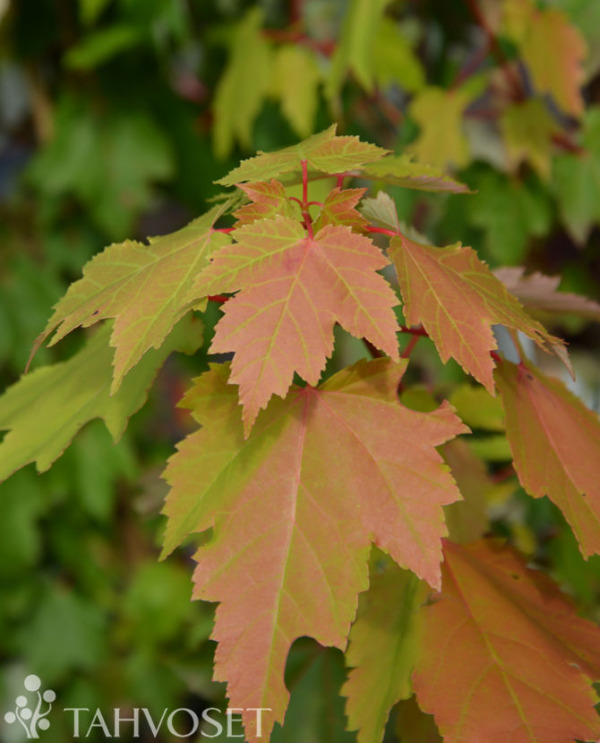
[{"x": 31, "y": 713}]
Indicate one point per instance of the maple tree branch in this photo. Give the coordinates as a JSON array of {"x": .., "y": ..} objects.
[
  {"x": 305, "y": 202},
  {"x": 296, "y": 12},
  {"x": 418, "y": 331},
  {"x": 304, "y": 183},
  {"x": 496, "y": 48},
  {"x": 410, "y": 346}
]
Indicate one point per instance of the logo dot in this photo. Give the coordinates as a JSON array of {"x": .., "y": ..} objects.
[
  {"x": 10, "y": 717},
  {"x": 21, "y": 701},
  {"x": 43, "y": 724},
  {"x": 49, "y": 696},
  {"x": 26, "y": 713},
  {"x": 32, "y": 683}
]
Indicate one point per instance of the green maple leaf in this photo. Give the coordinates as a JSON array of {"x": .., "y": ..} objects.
[
  {"x": 45, "y": 408},
  {"x": 146, "y": 288},
  {"x": 383, "y": 649},
  {"x": 357, "y": 45},
  {"x": 576, "y": 181},
  {"x": 440, "y": 113},
  {"x": 244, "y": 85},
  {"x": 324, "y": 152},
  {"x": 404, "y": 171},
  {"x": 298, "y": 101}
]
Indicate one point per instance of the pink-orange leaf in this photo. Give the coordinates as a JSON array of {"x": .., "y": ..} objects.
[
  {"x": 458, "y": 299},
  {"x": 540, "y": 293},
  {"x": 340, "y": 208},
  {"x": 294, "y": 288},
  {"x": 268, "y": 200},
  {"x": 505, "y": 656},
  {"x": 555, "y": 441},
  {"x": 294, "y": 509}
]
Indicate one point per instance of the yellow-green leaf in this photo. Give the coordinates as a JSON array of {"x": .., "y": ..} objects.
[
  {"x": 146, "y": 288},
  {"x": 296, "y": 84},
  {"x": 527, "y": 129},
  {"x": 243, "y": 86},
  {"x": 383, "y": 648},
  {"x": 439, "y": 114},
  {"x": 45, "y": 408},
  {"x": 324, "y": 152}
]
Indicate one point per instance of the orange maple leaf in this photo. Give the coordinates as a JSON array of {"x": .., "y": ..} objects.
[
  {"x": 457, "y": 299},
  {"x": 504, "y": 655},
  {"x": 294, "y": 509},
  {"x": 555, "y": 441}
]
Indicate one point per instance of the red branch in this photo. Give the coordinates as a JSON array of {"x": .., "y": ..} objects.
[
  {"x": 409, "y": 346},
  {"x": 220, "y": 298},
  {"x": 418, "y": 331},
  {"x": 383, "y": 231},
  {"x": 305, "y": 202},
  {"x": 495, "y": 46}
]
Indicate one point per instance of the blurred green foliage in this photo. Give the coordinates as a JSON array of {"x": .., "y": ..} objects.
[{"x": 116, "y": 116}]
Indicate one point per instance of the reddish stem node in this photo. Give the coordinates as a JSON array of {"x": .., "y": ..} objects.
[
  {"x": 220, "y": 298},
  {"x": 419, "y": 331}
]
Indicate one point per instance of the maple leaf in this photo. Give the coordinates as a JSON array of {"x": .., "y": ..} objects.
[
  {"x": 404, "y": 171},
  {"x": 439, "y": 113},
  {"x": 383, "y": 649},
  {"x": 268, "y": 200},
  {"x": 294, "y": 288},
  {"x": 528, "y": 128},
  {"x": 555, "y": 441},
  {"x": 394, "y": 60},
  {"x": 457, "y": 299},
  {"x": 294, "y": 508},
  {"x": 504, "y": 654},
  {"x": 540, "y": 293},
  {"x": 357, "y": 45},
  {"x": 243, "y": 86},
  {"x": 324, "y": 152},
  {"x": 147, "y": 288},
  {"x": 339, "y": 208},
  {"x": 576, "y": 180},
  {"x": 554, "y": 51},
  {"x": 298, "y": 101},
  {"x": 46, "y": 408},
  {"x": 467, "y": 520},
  {"x": 510, "y": 211}
]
